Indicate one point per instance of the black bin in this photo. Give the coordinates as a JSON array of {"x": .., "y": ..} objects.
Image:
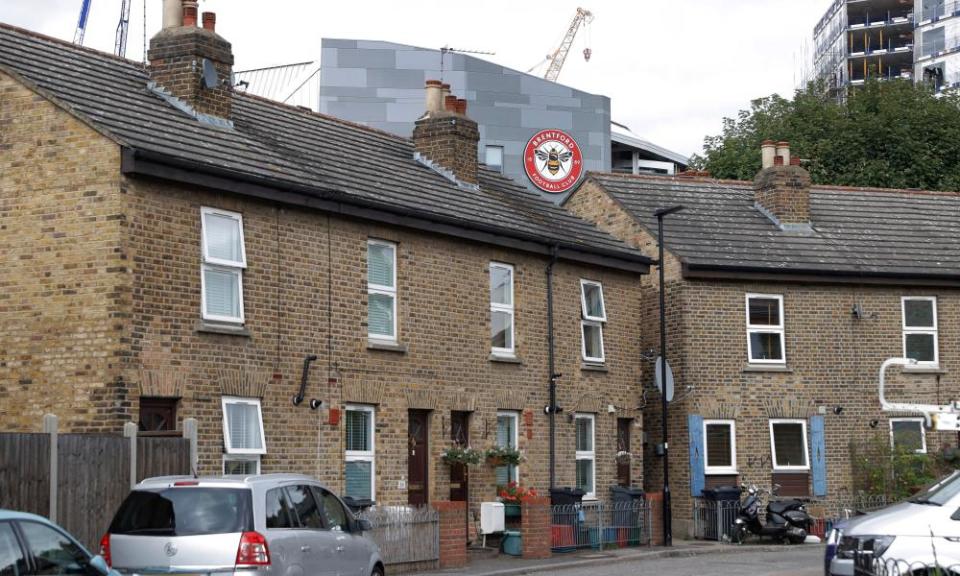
[
  {"x": 722, "y": 513},
  {"x": 566, "y": 496},
  {"x": 626, "y": 515},
  {"x": 357, "y": 504}
]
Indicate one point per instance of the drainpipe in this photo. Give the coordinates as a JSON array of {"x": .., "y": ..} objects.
[{"x": 552, "y": 406}]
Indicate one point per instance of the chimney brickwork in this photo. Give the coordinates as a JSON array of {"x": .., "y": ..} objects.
[
  {"x": 176, "y": 65},
  {"x": 784, "y": 191},
  {"x": 448, "y": 138}
]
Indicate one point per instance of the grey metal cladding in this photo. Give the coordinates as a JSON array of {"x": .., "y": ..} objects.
[
  {"x": 338, "y": 43},
  {"x": 539, "y": 119},
  {"x": 366, "y": 58},
  {"x": 393, "y": 78},
  {"x": 331, "y": 77}
]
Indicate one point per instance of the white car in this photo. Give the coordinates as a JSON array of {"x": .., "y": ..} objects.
[{"x": 904, "y": 538}]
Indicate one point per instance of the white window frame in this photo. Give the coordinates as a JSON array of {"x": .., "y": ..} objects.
[
  {"x": 364, "y": 455},
  {"x": 383, "y": 290},
  {"x": 766, "y": 329},
  {"x": 226, "y": 425},
  {"x": 211, "y": 263},
  {"x": 587, "y": 454},
  {"x": 509, "y": 309},
  {"x": 923, "y": 433},
  {"x": 587, "y": 319},
  {"x": 241, "y": 457},
  {"x": 934, "y": 331},
  {"x": 806, "y": 446},
  {"x": 486, "y": 152},
  {"x": 515, "y": 416},
  {"x": 732, "y": 469}
]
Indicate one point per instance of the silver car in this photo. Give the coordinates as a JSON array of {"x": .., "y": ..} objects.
[
  {"x": 922, "y": 531},
  {"x": 276, "y": 524}
]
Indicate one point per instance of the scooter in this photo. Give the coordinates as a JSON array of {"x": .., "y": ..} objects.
[{"x": 786, "y": 519}]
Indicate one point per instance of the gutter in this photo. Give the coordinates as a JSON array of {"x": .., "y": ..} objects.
[
  {"x": 745, "y": 272},
  {"x": 143, "y": 163}
]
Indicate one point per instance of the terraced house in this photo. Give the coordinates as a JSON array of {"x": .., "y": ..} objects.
[
  {"x": 783, "y": 300},
  {"x": 322, "y": 297}
]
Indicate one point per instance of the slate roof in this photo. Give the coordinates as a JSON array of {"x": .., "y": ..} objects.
[
  {"x": 857, "y": 232},
  {"x": 286, "y": 147}
]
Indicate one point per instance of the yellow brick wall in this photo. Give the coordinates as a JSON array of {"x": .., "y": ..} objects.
[{"x": 64, "y": 286}]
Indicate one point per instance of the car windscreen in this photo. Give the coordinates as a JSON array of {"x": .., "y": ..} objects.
[
  {"x": 941, "y": 492},
  {"x": 184, "y": 511}
]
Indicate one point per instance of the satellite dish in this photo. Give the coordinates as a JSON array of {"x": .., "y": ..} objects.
[{"x": 210, "y": 77}]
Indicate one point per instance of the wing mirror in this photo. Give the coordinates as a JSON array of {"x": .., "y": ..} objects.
[
  {"x": 364, "y": 525},
  {"x": 955, "y": 515},
  {"x": 99, "y": 565}
]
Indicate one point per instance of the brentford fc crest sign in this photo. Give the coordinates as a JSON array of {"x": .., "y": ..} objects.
[{"x": 553, "y": 161}]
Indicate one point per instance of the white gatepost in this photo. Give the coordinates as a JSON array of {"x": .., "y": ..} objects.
[
  {"x": 130, "y": 431},
  {"x": 190, "y": 433},
  {"x": 50, "y": 427}
]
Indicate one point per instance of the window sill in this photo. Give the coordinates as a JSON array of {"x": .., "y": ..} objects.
[
  {"x": 791, "y": 471},
  {"x": 208, "y": 327},
  {"x": 782, "y": 368},
  {"x": 505, "y": 359},
  {"x": 591, "y": 367},
  {"x": 721, "y": 473},
  {"x": 386, "y": 346},
  {"x": 930, "y": 369}
]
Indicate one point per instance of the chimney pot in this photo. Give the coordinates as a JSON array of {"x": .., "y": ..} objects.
[
  {"x": 189, "y": 16},
  {"x": 434, "y": 99},
  {"x": 795, "y": 161},
  {"x": 172, "y": 13},
  {"x": 783, "y": 149},
  {"x": 450, "y": 103},
  {"x": 461, "y": 106},
  {"x": 767, "y": 152},
  {"x": 778, "y": 160},
  {"x": 210, "y": 21}
]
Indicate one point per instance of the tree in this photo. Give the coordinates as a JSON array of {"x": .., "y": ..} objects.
[{"x": 889, "y": 134}]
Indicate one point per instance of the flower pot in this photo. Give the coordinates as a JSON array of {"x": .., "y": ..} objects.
[{"x": 511, "y": 510}]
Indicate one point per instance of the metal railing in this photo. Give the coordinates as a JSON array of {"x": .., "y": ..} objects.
[
  {"x": 404, "y": 533},
  {"x": 864, "y": 564},
  {"x": 827, "y": 512},
  {"x": 600, "y": 525},
  {"x": 713, "y": 519}
]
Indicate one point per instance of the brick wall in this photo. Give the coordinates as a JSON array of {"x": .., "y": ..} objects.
[
  {"x": 453, "y": 534},
  {"x": 832, "y": 359},
  {"x": 450, "y": 141},
  {"x": 443, "y": 311},
  {"x": 176, "y": 56},
  {"x": 64, "y": 282},
  {"x": 785, "y": 192},
  {"x": 535, "y": 523}
]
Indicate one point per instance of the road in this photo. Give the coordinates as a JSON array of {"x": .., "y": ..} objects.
[{"x": 791, "y": 561}]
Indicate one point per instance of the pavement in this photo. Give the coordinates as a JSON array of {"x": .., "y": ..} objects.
[{"x": 490, "y": 563}]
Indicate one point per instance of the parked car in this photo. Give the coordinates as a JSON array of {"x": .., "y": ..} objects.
[
  {"x": 277, "y": 524},
  {"x": 31, "y": 544},
  {"x": 922, "y": 531}
]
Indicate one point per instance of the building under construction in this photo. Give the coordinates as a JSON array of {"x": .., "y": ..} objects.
[{"x": 886, "y": 39}]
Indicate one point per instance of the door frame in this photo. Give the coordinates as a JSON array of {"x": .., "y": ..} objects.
[{"x": 426, "y": 414}]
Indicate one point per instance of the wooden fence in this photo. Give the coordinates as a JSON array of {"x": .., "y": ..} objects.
[
  {"x": 92, "y": 474},
  {"x": 406, "y": 535}
]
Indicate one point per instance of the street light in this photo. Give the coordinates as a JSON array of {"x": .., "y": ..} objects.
[{"x": 667, "y": 521}]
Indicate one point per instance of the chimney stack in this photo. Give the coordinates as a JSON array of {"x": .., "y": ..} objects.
[
  {"x": 444, "y": 135},
  {"x": 182, "y": 58},
  {"x": 782, "y": 189}
]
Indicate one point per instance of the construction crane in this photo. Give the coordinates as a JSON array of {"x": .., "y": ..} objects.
[
  {"x": 120, "y": 44},
  {"x": 82, "y": 23},
  {"x": 559, "y": 55}
]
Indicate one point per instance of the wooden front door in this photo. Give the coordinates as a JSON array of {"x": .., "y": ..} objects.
[
  {"x": 460, "y": 435},
  {"x": 417, "y": 460},
  {"x": 623, "y": 445}
]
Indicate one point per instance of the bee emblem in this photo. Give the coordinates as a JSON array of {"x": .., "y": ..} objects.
[{"x": 555, "y": 159}]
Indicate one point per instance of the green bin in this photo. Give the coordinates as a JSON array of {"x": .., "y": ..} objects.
[{"x": 512, "y": 544}]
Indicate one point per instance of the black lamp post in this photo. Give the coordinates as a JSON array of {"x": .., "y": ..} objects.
[{"x": 667, "y": 521}]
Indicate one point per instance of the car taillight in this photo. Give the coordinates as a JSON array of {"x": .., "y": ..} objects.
[
  {"x": 253, "y": 550},
  {"x": 105, "y": 548}
]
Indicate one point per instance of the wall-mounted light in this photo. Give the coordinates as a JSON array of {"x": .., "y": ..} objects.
[
  {"x": 857, "y": 311},
  {"x": 874, "y": 423},
  {"x": 838, "y": 410}
]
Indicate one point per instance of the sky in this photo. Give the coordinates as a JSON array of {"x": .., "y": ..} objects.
[{"x": 672, "y": 68}]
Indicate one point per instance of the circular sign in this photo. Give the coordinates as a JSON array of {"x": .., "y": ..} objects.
[{"x": 553, "y": 161}]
